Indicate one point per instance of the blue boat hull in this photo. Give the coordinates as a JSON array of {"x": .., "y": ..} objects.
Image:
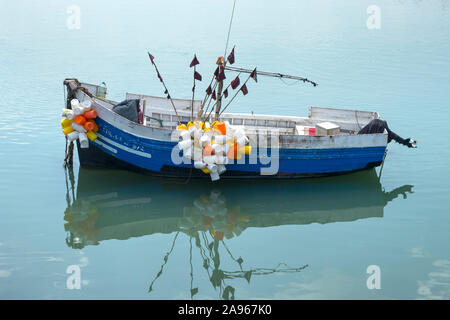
[{"x": 116, "y": 148}]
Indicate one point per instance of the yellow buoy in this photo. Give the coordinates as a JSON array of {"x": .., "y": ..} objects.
[
  {"x": 91, "y": 135},
  {"x": 205, "y": 170},
  {"x": 182, "y": 127},
  {"x": 68, "y": 130},
  {"x": 66, "y": 122},
  {"x": 245, "y": 150}
]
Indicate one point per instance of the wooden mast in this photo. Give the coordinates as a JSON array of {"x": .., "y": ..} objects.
[{"x": 219, "y": 97}]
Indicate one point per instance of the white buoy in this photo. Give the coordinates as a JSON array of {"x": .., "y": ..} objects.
[
  {"x": 74, "y": 103},
  {"x": 67, "y": 113},
  {"x": 239, "y": 133},
  {"x": 197, "y": 134},
  {"x": 218, "y": 149},
  {"x": 184, "y": 144},
  {"x": 86, "y": 105},
  {"x": 242, "y": 141},
  {"x": 198, "y": 154},
  {"x": 221, "y": 168},
  {"x": 199, "y": 165},
  {"x": 204, "y": 140},
  {"x": 220, "y": 159},
  {"x": 187, "y": 153},
  {"x": 191, "y": 130},
  {"x": 84, "y": 142},
  {"x": 73, "y": 136},
  {"x": 220, "y": 139},
  {"x": 78, "y": 128},
  {"x": 185, "y": 135},
  {"x": 214, "y": 176},
  {"x": 209, "y": 159}
]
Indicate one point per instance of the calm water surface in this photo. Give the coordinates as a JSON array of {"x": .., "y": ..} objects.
[{"x": 137, "y": 237}]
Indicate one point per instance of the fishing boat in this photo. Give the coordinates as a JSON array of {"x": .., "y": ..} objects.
[
  {"x": 188, "y": 138},
  {"x": 148, "y": 147}
]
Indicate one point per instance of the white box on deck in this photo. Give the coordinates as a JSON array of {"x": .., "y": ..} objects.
[
  {"x": 300, "y": 130},
  {"x": 327, "y": 129}
]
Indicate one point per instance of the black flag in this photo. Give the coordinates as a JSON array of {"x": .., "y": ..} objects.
[
  {"x": 214, "y": 95},
  {"x": 221, "y": 75},
  {"x": 244, "y": 89},
  {"x": 208, "y": 90},
  {"x": 151, "y": 58},
  {"x": 216, "y": 72},
  {"x": 231, "y": 57},
  {"x": 253, "y": 75},
  {"x": 194, "y": 62},
  {"x": 235, "y": 83},
  {"x": 197, "y": 76},
  {"x": 225, "y": 93},
  {"x": 159, "y": 77}
]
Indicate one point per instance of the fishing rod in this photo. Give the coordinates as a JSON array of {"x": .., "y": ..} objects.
[{"x": 271, "y": 74}]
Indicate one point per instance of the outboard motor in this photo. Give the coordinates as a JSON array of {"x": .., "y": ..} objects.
[{"x": 378, "y": 126}]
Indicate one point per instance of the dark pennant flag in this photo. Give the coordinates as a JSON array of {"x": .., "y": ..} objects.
[
  {"x": 225, "y": 93},
  {"x": 214, "y": 95},
  {"x": 231, "y": 57},
  {"x": 197, "y": 76},
  {"x": 221, "y": 75},
  {"x": 235, "y": 83},
  {"x": 159, "y": 77},
  {"x": 244, "y": 89},
  {"x": 253, "y": 75},
  {"x": 216, "y": 72},
  {"x": 194, "y": 62},
  {"x": 151, "y": 58},
  {"x": 208, "y": 90}
]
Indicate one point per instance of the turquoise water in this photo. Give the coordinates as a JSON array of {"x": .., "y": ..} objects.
[{"x": 285, "y": 240}]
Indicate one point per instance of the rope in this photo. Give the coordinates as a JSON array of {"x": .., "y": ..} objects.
[{"x": 229, "y": 29}]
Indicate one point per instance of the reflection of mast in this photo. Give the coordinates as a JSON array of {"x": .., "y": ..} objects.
[{"x": 209, "y": 252}]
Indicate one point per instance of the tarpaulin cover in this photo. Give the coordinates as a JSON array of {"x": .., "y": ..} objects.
[{"x": 128, "y": 109}]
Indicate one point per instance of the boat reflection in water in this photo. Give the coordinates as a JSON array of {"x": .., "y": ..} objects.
[{"x": 118, "y": 205}]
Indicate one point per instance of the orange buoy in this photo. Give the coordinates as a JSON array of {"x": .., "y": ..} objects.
[
  {"x": 221, "y": 128},
  {"x": 208, "y": 150},
  {"x": 95, "y": 126},
  {"x": 89, "y": 126},
  {"x": 233, "y": 152},
  {"x": 81, "y": 120},
  {"x": 91, "y": 114}
]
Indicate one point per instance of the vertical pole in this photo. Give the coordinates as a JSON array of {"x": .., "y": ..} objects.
[
  {"x": 219, "y": 100},
  {"x": 192, "y": 103}
]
